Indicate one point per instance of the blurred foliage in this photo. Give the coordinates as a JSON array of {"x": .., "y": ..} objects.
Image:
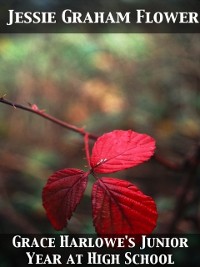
[{"x": 148, "y": 83}]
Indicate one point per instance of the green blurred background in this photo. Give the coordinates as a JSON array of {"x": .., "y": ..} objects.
[{"x": 145, "y": 82}]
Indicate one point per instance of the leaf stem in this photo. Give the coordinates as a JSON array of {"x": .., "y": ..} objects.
[{"x": 87, "y": 151}]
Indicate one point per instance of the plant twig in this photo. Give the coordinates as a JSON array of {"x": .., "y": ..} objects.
[
  {"x": 175, "y": 166},
  {"x": 184, "y": 188},
  {"x": 34, "y": 109},
  {"x": 43, "y": 114}
]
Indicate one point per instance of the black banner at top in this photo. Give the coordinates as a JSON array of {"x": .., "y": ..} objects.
[{"x": 117, "y": 16}]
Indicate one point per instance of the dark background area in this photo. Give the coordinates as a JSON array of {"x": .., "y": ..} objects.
[{"x": 145, "y": 82}]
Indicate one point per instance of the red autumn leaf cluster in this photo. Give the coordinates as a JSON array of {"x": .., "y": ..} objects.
[{"x": 118, "y": 206}]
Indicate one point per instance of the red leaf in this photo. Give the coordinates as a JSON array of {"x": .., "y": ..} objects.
[
  {"x": 61, "y": 195},
  {"x": 120, "y": 208},
  {"x": 119, "y": 150}
]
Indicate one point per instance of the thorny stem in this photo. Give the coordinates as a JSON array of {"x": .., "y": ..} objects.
[
  {"x": 43, "y": 114},
  {"x": 170, "y": 165}
]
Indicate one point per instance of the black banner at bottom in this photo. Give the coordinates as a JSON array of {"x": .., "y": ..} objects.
[{"x": 74, "y": 250}]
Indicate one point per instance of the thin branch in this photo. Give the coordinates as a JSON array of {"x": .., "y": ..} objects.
[
  {"x": 169, "y": 164},
  {"x": 43, "y": 114},
  {"x": 183, "y": 190},
  {"x": 34, "y": 109},
  {"x": 181, "y": 200}
]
